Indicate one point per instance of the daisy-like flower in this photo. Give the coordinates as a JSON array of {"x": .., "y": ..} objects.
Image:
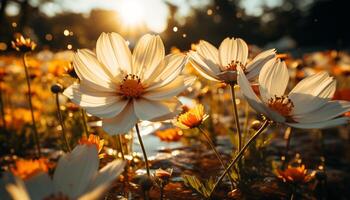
[
  {"x": 76, "y": 177},
  {"x": 308, "y": 104},
  {"x": 23, "y": 44},
  {"x": 221, "y": 64},
  {"x": 93, "y": 140},
  {"x": 123, "y": 88},
  {"x": 191, "y": 118},
  {"x": 295, "y": 174}
]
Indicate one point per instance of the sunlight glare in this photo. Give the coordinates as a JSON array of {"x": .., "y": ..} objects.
[{"x": 131, "y": 12}]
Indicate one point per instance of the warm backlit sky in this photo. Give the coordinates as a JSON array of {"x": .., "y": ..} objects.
[{"x": 153, "y": 13}]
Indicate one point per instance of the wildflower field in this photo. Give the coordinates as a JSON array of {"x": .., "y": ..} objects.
[{"x": 152, "y": 109}]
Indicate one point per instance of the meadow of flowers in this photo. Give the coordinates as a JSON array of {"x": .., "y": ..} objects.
[{"x": 225, "y": 122}]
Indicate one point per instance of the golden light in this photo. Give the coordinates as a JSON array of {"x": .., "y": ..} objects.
[{"x": 131, "y": 12}]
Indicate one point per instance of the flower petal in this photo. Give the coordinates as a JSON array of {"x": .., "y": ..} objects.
[
  {"x": 39, "y": 186},
  {"x": 148, "y": 110},
  {"x": 18, "y": 190},
  {"x": 113, "y": 51},
  {"x": 321, "y": 125},
  {"x": 148, "y": 53},
  {"x": 329, "y": 111},
  {"x": 121, "y": 123},
  {"x": 75, "y": 170},
  {"x": 273, "y": 79},
  {"x": 170, "y": 90},
  {"x": 253, "y": 67},
  {"x": 208, "y": 52},
  {"x": 242, "y": 51},
  {"x": 105, "y": 105},
  {"x": 203, "y": 67}
]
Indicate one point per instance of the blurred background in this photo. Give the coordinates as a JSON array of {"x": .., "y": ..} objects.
[{"x": 297, "y": 26}]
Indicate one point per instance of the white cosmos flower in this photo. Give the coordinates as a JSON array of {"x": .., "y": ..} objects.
[
  {"x": 122, "y": 88},
  {"x": 308, "y": 104},
  {"x": 76, "y": 177},
  {"x": 221, "y": 64}
]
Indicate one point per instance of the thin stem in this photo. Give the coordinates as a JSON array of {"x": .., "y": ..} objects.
[
  {"x": 85, "y": 126},
  {"x": 60, "y": 118},
  {"x": 240, "y": 153},
  {"x": 2, "y": 109},
  {"x": 287, "y": 137},
  {"x": 211, "y": 144},
  {"x": 235, "y": 112},
  {"x": 143, "y": 149},
  {"x": 161, "y": 192},
  {"x": 119, "y": 144},
  {"x": 35, "y": 131}
]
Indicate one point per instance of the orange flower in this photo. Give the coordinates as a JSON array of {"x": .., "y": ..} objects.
[
  {"x": 58, "y": 67},
  {"x": 295, "y": 174},
  {"x": 25, "y": 169},
  {"x": 93, "y": 140},
  {"x": 169, "y": 135},
  {"x": 23, "y": 44},
  {"x": 192, "y": 118}
]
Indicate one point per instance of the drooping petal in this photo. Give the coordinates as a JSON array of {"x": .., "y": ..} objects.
[
  {"x": 121, "y": 123},
  {"x": 148, "y": 53},
  {"x": 204, "y": 68},
  {"x": 76, "y": 170},
  {"x": 321, "y": 125},
  {"x": 329, "y": 111},
  {"x": 273, "y": 79},
  {"x": 113, "y": 51},
  {"x": 253, "y": 67},
  {"x": 90, "y": 70},
  {"x": 209, "y": 52},
  {"x": 148, "y": 110},
  {"x": 39, "y": 186},
  {"x": 170, "y": 90},
  {"x": 167, "y": 70},
  {"x": 99, "y": 104}
]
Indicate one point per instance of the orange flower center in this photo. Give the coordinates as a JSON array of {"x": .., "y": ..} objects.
[
  {"x": 131, "y": 86},
  {"x": 233, "y": 66},
  {"x": 26, "y": 169},
  {"x": 283, "y": 105}
]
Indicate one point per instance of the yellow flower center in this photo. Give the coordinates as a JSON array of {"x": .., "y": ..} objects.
[
  {"x": 233, "y": 66},
  {"x": 192, "y": 118},
  {"x": 283, "y": 105},
  {"x": 131, "y": 86},
  {"x": 26, "y": 169}
]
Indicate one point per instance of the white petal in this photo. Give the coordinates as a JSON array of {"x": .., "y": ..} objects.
[
  {"x": 329, "y": 111},
  {"x": 227, "y": 51},
  {"x": 167, "y": 70},
  {"x": 208, "y": 52},
  {"x": 204, "y": 68},
  {"x": 90, "y": 70},
  {"x": 148, "y": 53},
  {"x": 121, "y": 123},
  {"x": 96, "y": 103},
  {"x": 148, "y": 110},
  {"x": 107, "y": 174},
  {"x": 113, "y": 51},
  {"x": 273, "y": 79},
  {"x": 18, "y": 190},
  {"x": 253, "y": 67},
  {"x": 321, "y": 125},
  {"x": 76, "y": 170},
  {"x": 172, "y": 89},
  {"x": 39, "y": 186},
  {"x": 242, "y": 51}
]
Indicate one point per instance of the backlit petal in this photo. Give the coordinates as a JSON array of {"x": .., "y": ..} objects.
[{"x": 148, "y": 110}]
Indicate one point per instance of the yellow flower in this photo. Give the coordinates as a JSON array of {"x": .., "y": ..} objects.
[
  {"x": 23, "y": 44},
  {"x": 295, "y": 174},
  {"x": 169, "y": 135},
  {"x": 93, "y": 140},
  {"x": 25, "y": 169},
  {"x": 192, "y": 118}
]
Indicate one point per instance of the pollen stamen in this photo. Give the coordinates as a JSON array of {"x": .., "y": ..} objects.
[
  {"x": 283, "y": 105},
  {"x": 233, "y": 66},
  {"x": 131, "y": 86}
]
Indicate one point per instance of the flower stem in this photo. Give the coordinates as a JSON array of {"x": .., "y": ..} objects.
[
  {"x": 143, "y": 149},
  {"x": 60, "y": 118},
  {"x": 2, "y": 109},
  {"x": 211, "y": 144},
  {"x": 235, "y": 112},
  {"x": 240, "y": 153},
  {"x": 35, "y": 131},
  {"x": 120, "y": 146},
  {"x": 85, "y": 126},
  {"x": 287, "y": 137}
]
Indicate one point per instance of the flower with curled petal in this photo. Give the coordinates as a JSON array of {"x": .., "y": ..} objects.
[
  {"x": 123, "y": 87},
  {"x": 77, "y": 176},
  {"x": 222, "y": 64},
  {"x": 308, "y": 104},
  {"x": 23, "y": 44}
]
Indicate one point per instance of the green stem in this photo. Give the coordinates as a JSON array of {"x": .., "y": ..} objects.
[
  {"x": 239, "y": 155},
  {"x": 235, "y": 112},
  {"x": 143, "y": 149},
  {"x": 60, "y": 118},
  {"x": 211, "y": 144},
  {"x": 35, "y": 131}
]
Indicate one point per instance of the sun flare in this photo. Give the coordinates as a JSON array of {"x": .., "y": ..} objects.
[{"x": 131, "y": 12}]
